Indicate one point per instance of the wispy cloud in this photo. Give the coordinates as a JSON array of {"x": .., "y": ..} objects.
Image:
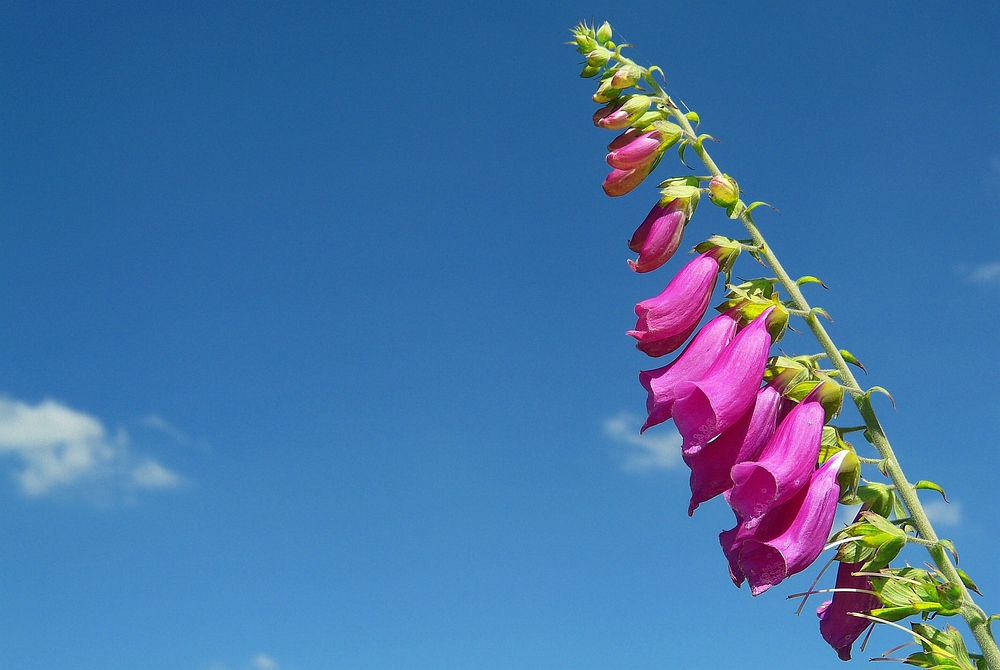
[
  {"x": 945, "y": 514},
  {"x": 986, "y": 273},
  {"x": 651, "y": 451},
  {"x": 264, "y": 662},
  {"x": 56, "y": 447}
]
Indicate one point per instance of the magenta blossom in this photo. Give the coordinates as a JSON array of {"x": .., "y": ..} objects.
[
  {"x": 836, "y": 624},
  {"x": 853, "y": 594},
  {"x": 666, "y": 321},
  {"x": 784, "y": 465},
  {"x": 707, "y": 407},
  {"x": 710, "y": 465},
  {"x": 619, "y": 182},
  {"x": 642, "y": 150},
  {"x": 624, "y": 138},
  {"x": 659, "y": 235},
  {"x": 789, "y": 537},
  {"x": 693, "y": 362}
]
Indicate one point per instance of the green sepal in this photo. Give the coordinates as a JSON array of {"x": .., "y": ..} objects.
[
  {"x": 821, "y": 312},
  {"x": 949, "y": 546},
  {"x": 808, "y": 279},
  {"x": 925, "y": 485},
  {"x": 849, "y": 358},
  {"x": 693, "y": 117},
  {"x": 967, "y": 580},
  {"x": 879, "y": 389},
  {"x": 879, "y": 498}
]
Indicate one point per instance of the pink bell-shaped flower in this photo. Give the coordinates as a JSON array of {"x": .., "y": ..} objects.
[
  {"x": 836, "y": 624},
  {"x": 784, "y": 465},
  {"x": 693, "y": 362},
  {"x": 707, "y": 407},
  {"x": 789, "y": 537},
  {"x": 642, "y": 150},
  {"x": 711, "y": 464},
  {"x": 666, "y": 321}
]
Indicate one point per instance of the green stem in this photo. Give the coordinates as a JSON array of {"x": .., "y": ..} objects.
[{"x": 972, "y": 613}]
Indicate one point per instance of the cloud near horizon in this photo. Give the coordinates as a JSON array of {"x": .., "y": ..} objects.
[
  {"x": 646, "y": 452},
  {"x": 56, "y": 447}
]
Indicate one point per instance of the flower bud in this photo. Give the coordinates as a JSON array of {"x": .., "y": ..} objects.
[
  {"x": 724, "y": 191},
  {"x": 620, "y": 182},
  {"x": 616, "y": 118},
  {"x": 622, "y": 139},
  {"x": 604, "y": 33},
  {"x": 658, "y": 236},
  {"x": 642, "y": 150},
  {"x": 626, "y": 76},
  {"x": 590, "y": 71},
  {"x": 606, "y": 92},
  {"x": 598, "y": 57}
]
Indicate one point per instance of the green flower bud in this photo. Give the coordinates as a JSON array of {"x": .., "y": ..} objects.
[
  {"x": 604, "y": 32},
  {"x": 626, "y": 76},
  {"x": 598, "y": 57},
  {"x": 724, "y": 191},
  {"x": 590, "y": 71},
  {"x": 606, "y": 92}
]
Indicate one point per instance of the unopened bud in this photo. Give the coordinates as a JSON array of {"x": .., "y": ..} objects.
[
  {"x": 620, "y": 182},
  {"x": 606, "y": 92},
  {"x": 598, "y": 56},
  {"x": 724, "y": 191},
  {"x": 627, "y": 75},
  {"x": 604, "y": 32},
  {"x": 590, "y": 71}
]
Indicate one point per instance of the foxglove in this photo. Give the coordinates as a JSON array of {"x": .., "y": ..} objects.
[
  {"x": 666, "y": 321},
  {"x": 693, "y": 362},
  {"x": 789, "y": 537},
  {"x": 836, "y": 624},
  {"x": 707, "y": 407},
  {"x": 711, "y": 465},
  {"x": 784, "y": 465}
]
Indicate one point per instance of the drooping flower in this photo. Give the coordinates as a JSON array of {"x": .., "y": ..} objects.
[
  {"x": 661, "y": 384},
  {"x": 711, "y": 464},
  {"x": 784, "y": 465},
  {"x": 642, "y": 150},
  {"x": 619, "y": 182},
  {"x": 659, "y": 235},
  {"x": 707, "y": 407},
  {"x": 621, "y": 112},
  {"x": 836, "y": 624},
  {"x": 789, "y": 537},
  {"x": 666, "y": 321}
]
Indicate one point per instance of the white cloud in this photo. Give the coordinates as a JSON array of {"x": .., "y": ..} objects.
[
  {"x": 983, "y": 274},
  {"x": 646, "y": 452},
  {"x": 264, "y": 662},
  {"x": 945, "y": 514},
  {"x": 57, "y": 447}
]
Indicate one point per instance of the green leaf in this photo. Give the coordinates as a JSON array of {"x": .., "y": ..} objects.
[
  {"x": 923, "y": 484},
  {"x": 821, "y": 312}
]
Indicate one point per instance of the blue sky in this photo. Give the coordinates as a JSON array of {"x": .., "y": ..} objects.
[{"x": 313, "y": 323}]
